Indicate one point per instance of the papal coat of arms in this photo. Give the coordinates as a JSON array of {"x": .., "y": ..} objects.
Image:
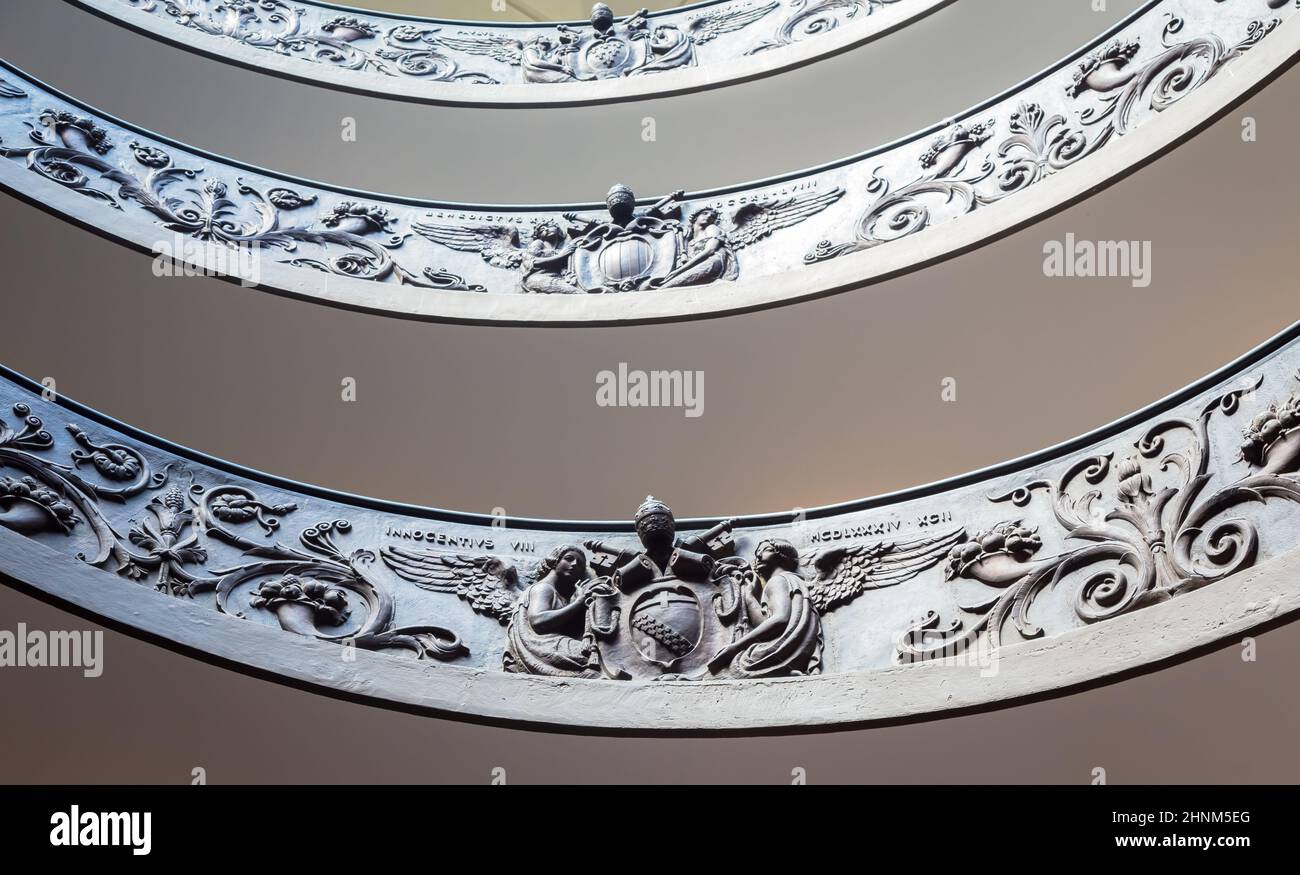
[
  {"x": 631, "y": 249},
  {"x": 610, "y": 48},
  {"x": 668, "y": 607}
]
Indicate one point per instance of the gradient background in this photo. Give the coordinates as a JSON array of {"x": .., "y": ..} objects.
[{"x": 804, "y": 405}]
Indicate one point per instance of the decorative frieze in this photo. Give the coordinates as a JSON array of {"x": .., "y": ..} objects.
[
  {"x": 1128, "y": 95},
  {"x": 602, "y": 59},
  {"x": 1170, "y": 503}
]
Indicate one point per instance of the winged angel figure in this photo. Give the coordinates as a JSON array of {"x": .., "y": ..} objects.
[
  {"x": 709, "y": 26},
  {"x": 841, "y": 574},
  {"x": 550, "y": 619},
  {"x": 778, "y": 599},
  {"x": 631, "y": 250},
  {"x": 610, "y": 48},
  {"x": 711, "y": 248}
]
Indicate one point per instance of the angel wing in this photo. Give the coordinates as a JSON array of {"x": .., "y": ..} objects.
[
  {"x": 705, "y": 28},
  {"x": 8, "y": 89},
  {"x": 507, "y": 51},
  {"x": 753, "y": 222},
  {"x": 844, "y": 573},
  {"x": 499, "y": 245},
  {"x": 490, "y": 585}
]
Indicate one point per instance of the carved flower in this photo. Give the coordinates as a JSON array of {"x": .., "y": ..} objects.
[
  {"x": 354, "y": 264},
  {"x": 288, "y": 199},
  {"x": 349, "y": 215},
  {"x": 215, "y": 188},
  {"x": 1134, "y": 486},
  {"x": 408, "y": 33},
  {"x": 150, "y": 156},
  {"x": 1027, "y": 118},
  {"x": 329, "y": 604},
  {"x": 1268, "y": 427},
  {"x": 169, "y": 541},
  {"x": 96, "y": 138},
  {"x": 62, "y": 171},
  {"x": 1009, "y": 538},
  {"x": 233, "y": 508}
]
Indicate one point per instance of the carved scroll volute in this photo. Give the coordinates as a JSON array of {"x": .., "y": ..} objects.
[{"x": 48, "y": 497}]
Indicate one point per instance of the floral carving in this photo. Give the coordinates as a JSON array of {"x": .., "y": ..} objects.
[
  {"x": 609, "y": 49},
  {"x": 48, "y": 497},
  {"x": 1128, "y": 525},
  {"x": 761, "y": 231},
  {"x": 1151, "y": 541},
  {"x": 28, "y": 506},
  {"x": 166, "y": 542},
  {"x": 964, "y": 173},
  {"x": 209, "y": 213},
  {"x": 811, "y": 18}
]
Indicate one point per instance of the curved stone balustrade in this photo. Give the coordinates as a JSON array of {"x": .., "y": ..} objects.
[
  {"x": 1136, "y": 91},
  {"x": 650, "y": 54},
  {"x": 1145, "y": 541}
]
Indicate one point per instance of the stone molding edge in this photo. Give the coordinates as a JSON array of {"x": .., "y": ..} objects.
[
  {"x": 1134, "y": 545},
  {"x": 700, "y": 46},
  {"x": 833, "y": 229}
]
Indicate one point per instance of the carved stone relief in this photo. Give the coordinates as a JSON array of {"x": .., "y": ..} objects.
[
  {"x": 720, "y": 245},
  {"x": 1173, "y": 504},
  {"x": 372, "y": 51}
]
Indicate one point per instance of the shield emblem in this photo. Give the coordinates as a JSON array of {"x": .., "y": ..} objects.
[
  {"x": 667, "y": 624},
  {"x": 626, "y": 261},
  {"x": 608, "y": 56}
]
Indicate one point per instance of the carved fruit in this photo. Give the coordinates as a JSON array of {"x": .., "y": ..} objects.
[
  {"x": 1109, "y": 75},
  {"x": 348, "y": 29},
  {"x": 26, "y": 517},
  {"x": 354, "y": 225},
  {"x": 296, "y": 617},
  {"x": 997, "y": 569},
  {"x": 947, "y": 159},
  {"x": 1282, "y": 456},
  {"x": 74, "y": 137}
]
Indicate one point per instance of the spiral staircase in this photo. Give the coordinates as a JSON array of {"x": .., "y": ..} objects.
[{"x": 848, "y": 234}]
